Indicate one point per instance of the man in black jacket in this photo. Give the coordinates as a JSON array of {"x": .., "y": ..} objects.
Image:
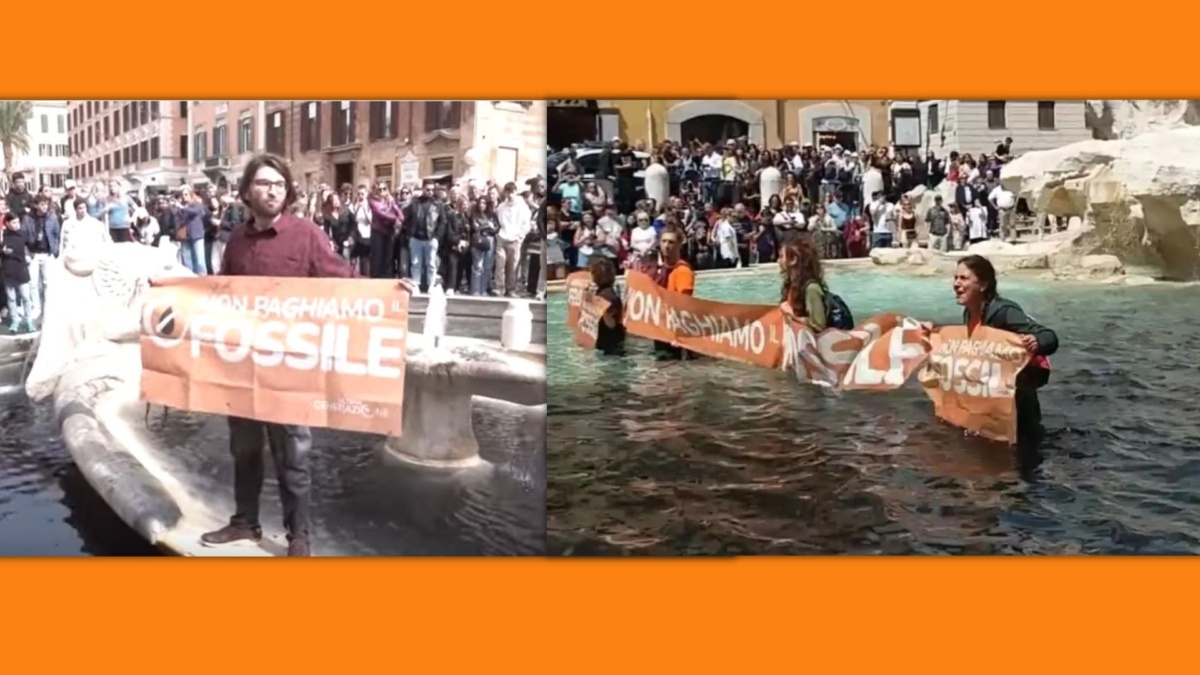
[
  {"x": 424, "y": 225},
  {"x": 19, "y": 199},
  {"x": 965, "y": 196}
]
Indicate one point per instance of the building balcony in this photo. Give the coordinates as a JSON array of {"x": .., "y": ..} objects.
[{"x": 220, "y": 162}]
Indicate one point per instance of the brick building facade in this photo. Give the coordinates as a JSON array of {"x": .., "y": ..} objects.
[
  {"x": 224, "y": 136},
  {"x": 164, "y": 144},
  {"x": 142, "y": 142},
  {"x": 337, "y": 142}
]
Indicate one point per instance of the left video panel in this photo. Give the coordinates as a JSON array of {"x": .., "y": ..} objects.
[{"x": 272, "y": 328}]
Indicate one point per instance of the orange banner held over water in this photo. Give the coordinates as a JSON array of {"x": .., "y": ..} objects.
[
  {"x": 747, "y": 333},
  {"x": 587, "y": 327},
  {"x": 314, "y": 352},
  {"x": 579, "y": 284},
  {"x": 971, "y": 380}
]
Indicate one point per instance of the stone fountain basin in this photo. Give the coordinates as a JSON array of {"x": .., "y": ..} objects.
[
  {"x": 168, "y": 474},
  {"x": 16, "y": 352},
  {"x": 440, "y": 383}
]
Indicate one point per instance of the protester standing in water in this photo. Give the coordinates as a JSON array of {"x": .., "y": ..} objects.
[
  {"x": 674, "y": 274},
  {"x": 273, "y": 243},
  {"x": 802, "y": 295},
  {"x": 975, "y": 290},
  {"x": 610, "y": 337}
]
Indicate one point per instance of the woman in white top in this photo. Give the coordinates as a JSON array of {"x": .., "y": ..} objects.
[
  {"x": 724, "y": 240},
  {"x": 977, "y": 223},
  {"x": 360, "y": 236},
  {"x": 642, "y": 239}
]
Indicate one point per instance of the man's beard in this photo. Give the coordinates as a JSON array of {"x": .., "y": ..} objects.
[{"x": 264, "y": 210}]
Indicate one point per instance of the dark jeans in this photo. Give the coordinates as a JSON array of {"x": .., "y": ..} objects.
[
  {"x": 744, "y": 253},
  {"x": 381, "y": 255},
  {"x": 881, "y": 240},
  {"x": 120, "y": 235},
  {"x": 208, "y": 247},
  {"x": 400, "y": 255},
  {"x": 289, "y": 448},
  {"x": 458, "y": 269},
  {"x": 1029, "y": 408},
  {"x": 360, "y": 256},
  {"x": 728, "y": 194},
  {"x": 533, "y": 272}
]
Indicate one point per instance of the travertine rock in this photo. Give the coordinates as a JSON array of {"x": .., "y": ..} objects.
[{"x": 1141, "y": 194}]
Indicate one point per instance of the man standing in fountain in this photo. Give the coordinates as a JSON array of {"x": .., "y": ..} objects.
[{"x": 272, "y": 243}]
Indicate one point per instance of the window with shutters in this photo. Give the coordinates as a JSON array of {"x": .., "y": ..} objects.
[
  {"x": 997, "y": 114},
  {"x": 276, "y": 134},
  {"x": 382, "y": 122},
  {"x": 345, "y": 119},
  {"x": 441, "y": 115},
  {"x": 310, "y": 126}
]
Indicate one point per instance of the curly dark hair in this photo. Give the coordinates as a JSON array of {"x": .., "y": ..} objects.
[{"x": 803, "y": 266}]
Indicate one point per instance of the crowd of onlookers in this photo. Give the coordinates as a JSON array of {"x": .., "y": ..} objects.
[
  {"x": 844, "y": 201},
  {"x": 477, "y": 239}
]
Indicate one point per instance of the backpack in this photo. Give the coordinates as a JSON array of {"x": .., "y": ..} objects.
[{"x": 837, "y": 312}]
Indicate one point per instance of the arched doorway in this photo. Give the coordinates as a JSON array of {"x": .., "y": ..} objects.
[
  {"x": 713, "y": 129},
  {"x": 751, "y": 121}
]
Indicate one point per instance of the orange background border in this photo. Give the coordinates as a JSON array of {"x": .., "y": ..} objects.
[
  {"x": 746, "y": 616},
  {"x": 567, "y": 616}
]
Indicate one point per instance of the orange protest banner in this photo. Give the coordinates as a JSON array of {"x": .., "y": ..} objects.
[
  {"x": 315, "y": 352},
  {"x": 748, "y": 333},
  {"x": 578, "y": 285},
  {"x": 587, "y": 326},
  {"x": 970, "y": 380},
  {"x": 879, "y": 354}
]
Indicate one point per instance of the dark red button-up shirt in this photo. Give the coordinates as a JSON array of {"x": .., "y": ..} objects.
[{"x": 291, "y": 247}]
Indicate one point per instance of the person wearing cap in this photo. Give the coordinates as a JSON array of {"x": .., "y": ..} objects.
[
  {"x": 66, "y": 205},
  {"x": 146, "y": 229}
]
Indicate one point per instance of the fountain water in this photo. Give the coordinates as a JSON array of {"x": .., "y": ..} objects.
[
  {"x": 443, "y": 374},
  {"x": 169, "y": 477}
]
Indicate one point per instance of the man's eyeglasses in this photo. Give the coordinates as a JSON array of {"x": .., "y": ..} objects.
[{"x": 265, "y": 185}]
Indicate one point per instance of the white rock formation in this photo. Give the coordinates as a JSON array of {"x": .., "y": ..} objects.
[
  {"x": 1142, "y": 194},
  {"x": 1059, "y": 254},
  {"x": 1112, "y": 119},
  {"x": 92, "y": 307}
]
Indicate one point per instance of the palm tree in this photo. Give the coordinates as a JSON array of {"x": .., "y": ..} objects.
[{"x": 14, "y": 137}]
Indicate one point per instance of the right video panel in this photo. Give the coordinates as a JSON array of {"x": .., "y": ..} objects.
[{"x": 787, "y": 327}]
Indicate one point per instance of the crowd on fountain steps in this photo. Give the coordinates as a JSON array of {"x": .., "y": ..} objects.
[{"x": 830, "y": 194}]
